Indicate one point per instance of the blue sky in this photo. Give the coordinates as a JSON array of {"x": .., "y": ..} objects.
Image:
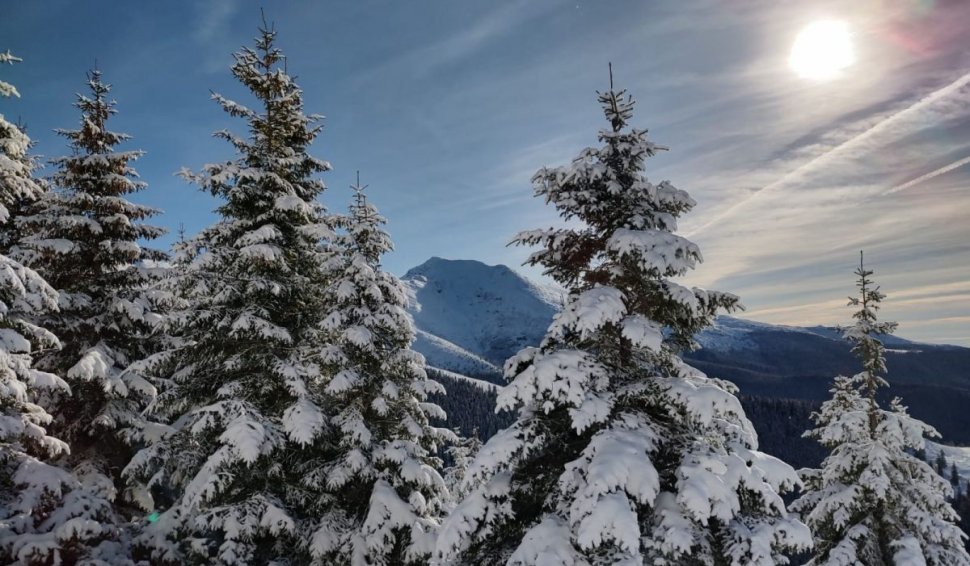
[{"x": 448, "y": 107}]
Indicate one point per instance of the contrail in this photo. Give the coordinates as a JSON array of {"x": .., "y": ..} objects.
[
  {"x": 874, "y": 130},
  {"x": 928, "y": 176}
]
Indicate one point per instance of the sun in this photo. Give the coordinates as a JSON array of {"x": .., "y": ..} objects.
[{"x": 822, "y": 50}]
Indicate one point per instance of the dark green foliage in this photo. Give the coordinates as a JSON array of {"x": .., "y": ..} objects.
[
  {"x": 237, "y": 386},
  {"x": 780, "y": 423},
  {"x": 85, "y": 238},
  {"x": 469, "y": 407}
]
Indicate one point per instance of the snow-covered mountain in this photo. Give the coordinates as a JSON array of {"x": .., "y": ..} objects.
[{"x": 471, "y": 317}]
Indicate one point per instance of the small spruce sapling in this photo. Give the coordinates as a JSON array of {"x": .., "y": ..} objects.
[
  {"x": 874, "y": 502},
  {"x": 384, "y": 480}
]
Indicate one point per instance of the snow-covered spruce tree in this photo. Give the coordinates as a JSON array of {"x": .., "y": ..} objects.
[
  {"x": 386, "y": 494},
  {"x": 83, "y": 238},
  {"x": 621, "y": 453},
  {"x": 11, "y": 234},
  {"x": 22, "y": 188},
  {"x": 47, "y": 514},
  {"x": 874, "y": 502},
  {"x": 231, "y": 476},
  {"x": 461, "y": 454}
]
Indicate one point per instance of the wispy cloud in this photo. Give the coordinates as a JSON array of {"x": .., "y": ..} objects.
[
  {"x": 935, "y": 173},
  {"x": 212, "y": 31},
  {"x": 213, "y": 19},
  {"x": 450, "y": 108},
  {"x": 894, "y": 127},
  {"x": 426, "y": 59},
  {"x": 884, "y": 171}
]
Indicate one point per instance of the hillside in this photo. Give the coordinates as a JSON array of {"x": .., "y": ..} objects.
[{"x": 472, "y": 316}]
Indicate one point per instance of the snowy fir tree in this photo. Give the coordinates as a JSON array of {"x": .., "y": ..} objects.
[
  {"x": 621, "y": 453},
  {"x": 385, "y": 493},
  {"x": 21, "y": 187},
  {"x": 12, "y": 233},
  {"x": 230, "y": 478},
  {"x": 874, "y": 502},
  {"x": 48, "y": 515},
  {"x": 83, "y": 238},
  {"x": 460, "y": 455}
]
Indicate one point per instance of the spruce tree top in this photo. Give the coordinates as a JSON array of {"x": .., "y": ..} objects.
[
  {"x": 87, "y": 229},
  {"x": 274, "y": 162},
  {"x": 864, "y": 333},
  {"x": 270, "y": 190},
  {"x": 366, "y": 237},
  {"x": 626, "y": 237},
  {"x": 92, "y": 137}
]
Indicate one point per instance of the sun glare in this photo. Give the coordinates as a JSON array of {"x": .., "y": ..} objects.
[{"x": 822, "y": 50}]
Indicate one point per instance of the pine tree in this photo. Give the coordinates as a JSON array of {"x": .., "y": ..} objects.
[
  {"x": 940, "y": 462},
  {"x": 621, "y": 452},
  {"x": 48, "y": 515},
  {"x": 874, "y": 502},
  {"x": 83, "y": 238},
  {"x": 386, "y": 494},
  {"x": 230, "y": 479},
  {"x": 954, "y": 477}
]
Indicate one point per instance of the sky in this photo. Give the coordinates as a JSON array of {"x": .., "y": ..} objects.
[{"x": 447, "y": 108}]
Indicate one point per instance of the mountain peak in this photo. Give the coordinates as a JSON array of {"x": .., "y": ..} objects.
[
  {"x": 440, "y": 266},
  {"x": 489, "y": 310}
]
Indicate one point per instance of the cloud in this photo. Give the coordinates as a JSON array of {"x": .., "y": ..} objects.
[
  {"x": 424, "y": 60},
  {"x": 790, "y": 175},
  {"x": 935, "y": 173},
  {"x": 933, "y": 107},
  {"x": 788, "y": 248},
  {"x": 213, "y": 32},
  {"x": 213, "y": 19}
]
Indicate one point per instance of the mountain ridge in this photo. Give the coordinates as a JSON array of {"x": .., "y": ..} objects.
[{"x": 471, "y": 316}]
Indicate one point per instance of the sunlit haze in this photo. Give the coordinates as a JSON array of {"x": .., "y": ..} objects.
[
  {"x": 806, "y": 131},
  {"x": 822, "y": 50}
]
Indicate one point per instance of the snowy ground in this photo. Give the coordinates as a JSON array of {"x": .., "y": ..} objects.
[
  {"x": 959, "y": 455},
  {"x": 479, "y": 383},
  {"x": 444, "y": 354},
  {"x": 480, "y": 314}
]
